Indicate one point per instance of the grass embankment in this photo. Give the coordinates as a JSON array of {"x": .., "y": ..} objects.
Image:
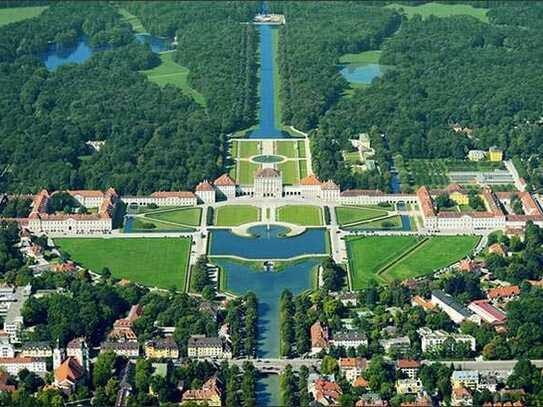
[
  {"x": 304, "y": 215},
  {"x": 14, "y": 14},
  {"x": 170, "y": 72},
  {"x": 235, "y": 215},
  {"x": 154, "y": 262},
  {"x": 441, "y": 10},
  {"x": 385, "y": 258},
  {"x": 347, "y": 215}
]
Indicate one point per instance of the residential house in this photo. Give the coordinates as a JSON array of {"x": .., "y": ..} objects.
[
  {"x": 418, "y": 301},
  {"x": 128, "y": 349},
  {"x": 399, "y": 344},
  {"x": 409, "y": 386},
  {"x": 326, "y": 393},
  {"x": 7, "y": 350},
  {"x": 503, "y": 294},
  {"x": 15, "y": 364},
  {"x": 320, "y": 337},
  {"x": 349, "y": 339},
  {"x": 457, "y": 312},
  {"x": 210, "y": 394},
  {"x": 5, "y": 387},
  {"x": 348, "y": 298},
  {"x": 461, "y": 397},
  {"x": 466, "y": 378},
  {"x": 162, "y": 348},
  {"x": 409, "y": 367},
  {"x": 202, "y": 347},
  {"x": 372, "y": 403},
  {"x": 430, "y": 340},
  {"x": 37, "y": 349},
  {"x": 13, "y": 321},
  {"x": 352, "y": 368},
  {"x": 497, "y": 248}
]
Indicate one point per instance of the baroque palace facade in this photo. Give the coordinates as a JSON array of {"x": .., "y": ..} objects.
[{"x": 268, "y": 184}]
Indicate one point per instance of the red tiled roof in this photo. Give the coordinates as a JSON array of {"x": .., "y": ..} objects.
[
  {"x": 489, "y": 309},
  {"x": 346, "y": 363},
  {"x": 204, "y": 186},
  {"x": 224, "y": 180},
  {"x": 319, "y": 335},
  {"x": 500, "y": 292},
  {"x": 310, "y": 180},
  {"x": 408, "y": 364},
  {"x": 329, "y": 185},
  {"x": 425, "y": 201},
  {"x": 69, "y": 370}
]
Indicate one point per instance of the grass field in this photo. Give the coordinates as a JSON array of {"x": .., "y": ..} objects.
[
  {"x": 350, "y": 214},
  {"x": 185, "y": 216},
  {"x": 366, "y": 57},
  {"x": 247, "y": 172},
  {"x": 304, "y": 215},
  {"x": 170, "y": 72},
  {"x": 248, "y": 148},
  {"x": 302, "y": 164},
  {"x": 14, "y": 14},
  {"x": 290, "y": 172},
  {"x": 301, "y": 149},
  {"x": 286, "y": 148},
  {"x": 235, "y": 215},
  {"x": 392, "y": 222},
  {"x": 442, "y": 10},
  {"x": 141, "y": 224},
  {"x": 160, "y": 262},
  {"x": 131, "y": 19},
  {"x": 385, "y": 258},
  {"x": 367, "y": 255},
  {"x": 435, "y": 253}
]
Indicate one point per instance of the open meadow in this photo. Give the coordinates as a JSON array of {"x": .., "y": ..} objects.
[{"x": 154, "y": 262}]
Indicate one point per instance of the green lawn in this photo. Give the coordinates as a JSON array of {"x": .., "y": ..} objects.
[
  {"x": 141, "y": 224},
  {"x": 286, "y": 148},
  {"x": 303, "y": 168},
  {"x": 133, "y": 20},
  {"x": 442, "y": 10},
  {"x": 366, "y": 57},
  {"x": 170, "y": 72},
  {"x": 185, "y": 216},
  {"x": 247, "y": 172},
  {"x": 304, "y": 215},
  {"x": 248, "y": 148},
  {"x": 367, "y": 255},
  {"x": 235, "y": 215},
  {"x": 160, "y": 262},
  {"x": 350, "y": 214},
  {"x": 290, "y": 172},
  {"x": 392, "y": 222},
  {"x": 14, "y": 14},
  {"x": 435, "y": 253},
  {"x": 301, "y": 149}
]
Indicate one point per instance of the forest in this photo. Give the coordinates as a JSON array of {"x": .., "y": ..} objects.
[
  {"x": 219, "y": 51},
  {"x": 310, "y": 44},
  {"x": 453, "y": 70},
  {"x": 47, "y": 117}
]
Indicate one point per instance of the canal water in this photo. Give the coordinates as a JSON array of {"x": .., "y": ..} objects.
[
  {"x": 82, "y": 51},
  {"x": 268, "y": 285},
  {"x": 268, "y": 243},
  {"x": 266, "y": 125}
]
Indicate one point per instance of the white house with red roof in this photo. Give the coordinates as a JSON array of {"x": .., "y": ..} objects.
[
  {"x": 205, "y": 192},
  {"x": 225, "y": 186}
]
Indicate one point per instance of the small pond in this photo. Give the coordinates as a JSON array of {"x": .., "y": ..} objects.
[
  {"x": 82, "y": 51},
  {"x": 268, "y": 243},
  {"x": 362, "y": 73},
  {"x": 267, "y": 285},
  {"x": 268, "y": 159}
]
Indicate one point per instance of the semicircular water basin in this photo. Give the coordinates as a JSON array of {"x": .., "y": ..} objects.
[
  {"x": 268, "y": 159},
  {"x": 268, "y": 242}
]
